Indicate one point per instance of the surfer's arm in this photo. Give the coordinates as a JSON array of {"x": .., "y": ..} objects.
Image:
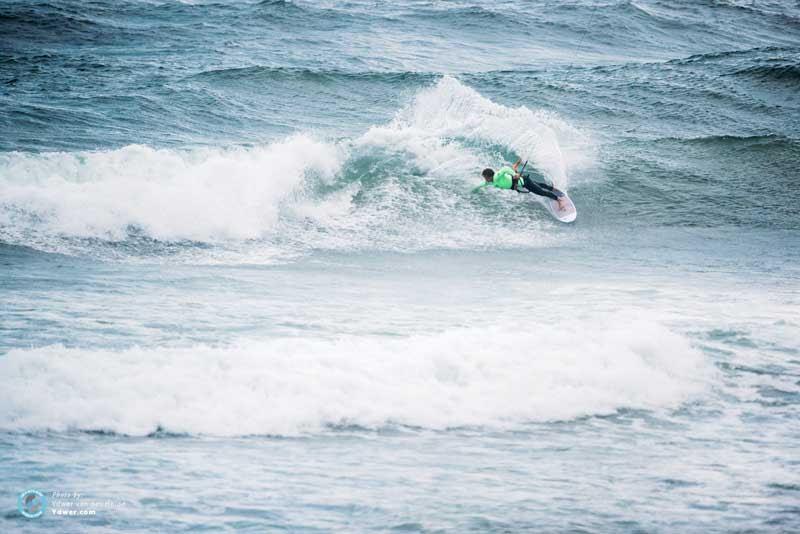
[
  {"x": 475, "y": 190},
  {"x": 516, "y": 165}
]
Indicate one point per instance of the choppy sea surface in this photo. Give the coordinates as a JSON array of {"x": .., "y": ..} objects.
[{"x": 244, "y": 283}]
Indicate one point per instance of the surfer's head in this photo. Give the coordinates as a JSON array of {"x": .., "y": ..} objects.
[{"x": 488, "y": 175}]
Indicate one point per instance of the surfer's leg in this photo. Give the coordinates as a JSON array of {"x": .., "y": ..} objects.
[
  {"x": 550, "y": 188},
  {"x": 540, "y": 189},
  {"x": 535, "y": 189}
]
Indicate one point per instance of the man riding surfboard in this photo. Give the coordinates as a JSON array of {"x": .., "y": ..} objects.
[{"x": 508, "y": 178}]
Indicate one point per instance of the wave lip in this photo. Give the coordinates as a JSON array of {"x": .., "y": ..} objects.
[{"x": 495, "y": 378}]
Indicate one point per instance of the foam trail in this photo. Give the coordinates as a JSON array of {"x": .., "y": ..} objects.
[{"x": 495, "y": 378}]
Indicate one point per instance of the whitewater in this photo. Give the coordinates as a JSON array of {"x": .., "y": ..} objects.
[{"x": 245, "y": 283}]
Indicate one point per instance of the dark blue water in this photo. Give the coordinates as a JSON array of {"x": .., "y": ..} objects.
[{"x": 245, "y": 285}]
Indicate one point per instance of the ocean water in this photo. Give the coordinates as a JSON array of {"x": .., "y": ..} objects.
[{"x": 244, "y": 283}]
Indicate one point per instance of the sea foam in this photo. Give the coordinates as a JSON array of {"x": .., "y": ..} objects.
[
  {"x": 204, "y": 195},
  {"x": 484, "y": 377}
]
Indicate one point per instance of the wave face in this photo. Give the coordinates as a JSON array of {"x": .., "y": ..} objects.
[
  {"x": 298, "y": 194},
  {"x": 496, "y": 378}
]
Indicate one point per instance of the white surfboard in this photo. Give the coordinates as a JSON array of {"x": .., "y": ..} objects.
[{"x": 566, "y": 215}]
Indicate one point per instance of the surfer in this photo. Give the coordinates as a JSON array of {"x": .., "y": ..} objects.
[{"x": 508, "y": 178}]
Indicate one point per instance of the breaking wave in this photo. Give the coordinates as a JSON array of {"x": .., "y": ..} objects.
[
  {"x": 497, "y": 379},
  {"x": 400, "y": 186}
]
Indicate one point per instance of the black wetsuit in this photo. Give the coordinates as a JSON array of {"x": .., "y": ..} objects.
[{"x": 540, "y": 188}]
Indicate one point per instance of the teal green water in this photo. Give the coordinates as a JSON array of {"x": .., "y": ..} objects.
[{"x": 246, "y": 286}]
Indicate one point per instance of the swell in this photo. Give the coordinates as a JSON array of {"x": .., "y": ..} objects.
[
  {"x": 44, "y": 18},
  {"x": 753, "y": 9},
  {"x": 468, "y": 16},
  {"x": 318, "y": 16},
  {"x": 775, "y": 142},
  {"x": 738, "y": 181},
  {"x": 769, "y": 63},
  {"x": 25, "y": 26},
  {"x": 728, "y": 54},
  {"x": 788, "y": 73},
  {"x": 265, "y": 73}
]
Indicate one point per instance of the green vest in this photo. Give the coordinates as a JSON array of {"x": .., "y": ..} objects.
[{"x": 503, "y": 178}]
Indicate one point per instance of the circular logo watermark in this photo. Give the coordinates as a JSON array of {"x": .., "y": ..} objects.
[{"x": 31, "y": 503}]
